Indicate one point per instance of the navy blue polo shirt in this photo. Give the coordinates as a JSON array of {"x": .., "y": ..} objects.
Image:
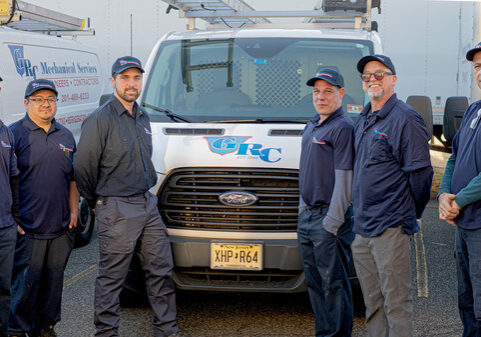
[
  {"x": 326, "y": 146},
  {"x": 466, "y": 151},
  {"x": 8, "y": 168},
  {"x": 389, "y": 146},
  {"x": 45, "y": 163}
]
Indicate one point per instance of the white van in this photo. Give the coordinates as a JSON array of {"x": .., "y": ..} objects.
[
  {"x": 73, "y": 67},
  {"x": 227, "y": 110}
]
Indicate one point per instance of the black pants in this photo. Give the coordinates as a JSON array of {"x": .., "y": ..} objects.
[
  {"x": 127, "y": 226},
  {"x": 37, "y": 282}
]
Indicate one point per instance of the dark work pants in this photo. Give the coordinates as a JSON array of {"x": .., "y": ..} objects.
[
  {"x": 468, "y": 265},
  {"x": 8, "y": 236},
  {"x": 128, "y": 225},
  {"x": 37, "y": 282},
  {"x": 325, "y": 258}
]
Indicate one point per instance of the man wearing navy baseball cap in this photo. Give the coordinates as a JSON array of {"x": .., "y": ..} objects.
[
  {"x": 48, "y": 209},
  {"x": 392, "y": 182},
  {"x": 325, "y": 225},
  {"x": 114, "y": 172},
  {"x": 460, "y": 205}
]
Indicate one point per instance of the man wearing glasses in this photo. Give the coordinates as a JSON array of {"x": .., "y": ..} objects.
[
  {"x": 48, "y": 205},
  {"x": 392, "y": 182},
  {"x": 460, "y": 205}
]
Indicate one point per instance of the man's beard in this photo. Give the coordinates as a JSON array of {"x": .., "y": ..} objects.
[
  {"x": 128, "y": 97},
  {"x": 376, "y": 95}
]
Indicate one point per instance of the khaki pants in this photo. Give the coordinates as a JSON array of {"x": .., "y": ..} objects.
[{"x": 383, "y": 267}]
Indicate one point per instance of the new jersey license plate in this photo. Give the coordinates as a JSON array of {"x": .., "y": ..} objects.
[{"x": 236, "y": 256}]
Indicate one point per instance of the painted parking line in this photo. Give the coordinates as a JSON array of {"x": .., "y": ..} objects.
[
  {"x": 421, "y": 264},
  {"x": 74, "y": 279}
]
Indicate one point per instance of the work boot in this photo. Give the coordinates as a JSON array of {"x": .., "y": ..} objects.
[
  {"x": 16, "y": 334},
  {"x": 177, "y": 334},
  {"x": 48, "y": 332}
]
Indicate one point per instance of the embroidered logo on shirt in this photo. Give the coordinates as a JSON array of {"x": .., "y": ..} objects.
[
  {"x": 380, "y": 133},
  {"x": 65, "y": 149},
  {"x": 5, "y": 144},
  {"x": 318, "y": 141},
  {"x": 147, "y": 131}
]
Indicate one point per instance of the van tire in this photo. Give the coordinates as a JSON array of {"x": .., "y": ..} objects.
[{"x": 85, "y": 224}]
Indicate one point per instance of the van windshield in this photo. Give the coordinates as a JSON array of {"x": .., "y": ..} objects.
[{"x": 264, "y": 79}]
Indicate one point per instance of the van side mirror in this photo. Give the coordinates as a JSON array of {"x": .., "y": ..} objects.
[
  {"x": 423, "y": 106},
  {"x": 453, "y": 115}
]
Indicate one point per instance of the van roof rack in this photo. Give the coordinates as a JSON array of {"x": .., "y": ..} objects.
[
  {"x": 25, "y": 16},
  {"x": 237, "y": 13}
]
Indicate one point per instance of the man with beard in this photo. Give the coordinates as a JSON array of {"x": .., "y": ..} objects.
[
  {"x": 392, "y": 182},
  {"x": 114, "y": 173}
]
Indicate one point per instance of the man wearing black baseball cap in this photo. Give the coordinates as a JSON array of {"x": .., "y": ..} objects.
[
  {"x": 114, "y": 172},
  {"x": 392, "y": 182},
  {"x": 325, "y": 225},
  {"x": 48, "y": 209},
  {"x": 460, "y": 205}
]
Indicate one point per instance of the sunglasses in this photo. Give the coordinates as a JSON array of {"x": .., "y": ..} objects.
[{"x": 378, "y": 75}]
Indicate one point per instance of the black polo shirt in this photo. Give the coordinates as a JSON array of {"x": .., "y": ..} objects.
[
  {"x": 8, "y": 168},
  {"x": 45, "y": 163},
  {"x": 114, "y": 151},
  {"x": 326, "y": 146},
  {"x": 389, "y": 146},
  {"x": 466, "y": 151}
]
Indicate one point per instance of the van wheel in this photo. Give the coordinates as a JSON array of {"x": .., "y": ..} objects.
[{"x": 85, "y": 225}]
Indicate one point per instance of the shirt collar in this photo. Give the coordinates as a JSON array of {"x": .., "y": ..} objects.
[
  {"x": 386, "y": 108},
  {"x": 120, "y": 109},
  {"x": 334, "y": 115},
  {"x": 29, "y": 124}
]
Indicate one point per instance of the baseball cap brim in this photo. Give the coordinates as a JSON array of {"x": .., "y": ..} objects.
[
  {"x": 471, "y": 52},
  {"x": 127, "y": 66},
  {"x": 313, "y": 80},
  {"x": 366, "y": 59}
]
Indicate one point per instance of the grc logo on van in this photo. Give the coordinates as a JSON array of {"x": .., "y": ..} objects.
[
  {"x": 23, "y": 65},
  {"x": 236, "y": 145}
]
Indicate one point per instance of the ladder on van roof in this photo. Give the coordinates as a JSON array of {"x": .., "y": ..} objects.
[
  {"x": 237, "y": 13},
  {"x": 25, "y": 16}
]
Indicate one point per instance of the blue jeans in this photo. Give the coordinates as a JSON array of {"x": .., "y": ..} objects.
[
  {"x": 325, "y": 258},
  {"x": 468, "y": 265},
  {"x": 8, "y": 236}
]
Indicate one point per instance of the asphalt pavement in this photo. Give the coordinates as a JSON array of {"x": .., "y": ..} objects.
[{"x": 203, "y": 314}]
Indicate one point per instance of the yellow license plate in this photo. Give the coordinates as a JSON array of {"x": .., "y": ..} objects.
[{"x": 236, "y": 256}]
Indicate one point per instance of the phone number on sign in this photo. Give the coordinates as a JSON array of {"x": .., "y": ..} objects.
[{"x": 74, "y": 97}]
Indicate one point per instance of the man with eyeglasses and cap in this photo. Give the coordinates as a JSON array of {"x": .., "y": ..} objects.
[
  {"x": 114, "y": 172},
  {"x": 392, "y": 182},
  {"x": 325, "y": 224},
  {"x": 460, "y": 205},
  {"x": 48, "y": 205}
]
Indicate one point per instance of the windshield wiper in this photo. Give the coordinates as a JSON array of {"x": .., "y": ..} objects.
[
  {"x": 168, "y": 113},
  {"x": 260, "y": 121}
]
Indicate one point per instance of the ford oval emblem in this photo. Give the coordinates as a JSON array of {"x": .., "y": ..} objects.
[{"x": 237, "y": 198}]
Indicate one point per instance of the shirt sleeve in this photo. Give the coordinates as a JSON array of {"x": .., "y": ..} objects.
[
  {"x": 340, "y": 201},
  {"x": 87, "y": 159},
  {"x": 343, "y": 149},
  {"x": 420, "y": 184},
  {"x": 13, "y": 158},
  {"x": 414, "y": 147},
  {"x": 471, "y": 193},
  {"x": 445, "y": 186}
]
